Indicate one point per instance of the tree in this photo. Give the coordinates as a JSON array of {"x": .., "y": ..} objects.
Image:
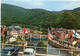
[
  {"x": 42, "y": 43},
  {"x": 69, "y": 21}
]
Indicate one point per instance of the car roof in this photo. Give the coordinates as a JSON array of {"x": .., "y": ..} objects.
[
  {"x": 29, "y": 50},
  {"x": 8, "y": 48}
]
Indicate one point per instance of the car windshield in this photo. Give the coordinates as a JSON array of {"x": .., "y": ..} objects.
[{"x": 27, "y": 53}]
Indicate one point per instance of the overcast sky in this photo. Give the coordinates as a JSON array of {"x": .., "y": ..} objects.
[{"x": 45, "y": 4}]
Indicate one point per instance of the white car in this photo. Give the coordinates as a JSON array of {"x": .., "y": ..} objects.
[{"x": 29, "y": 52}]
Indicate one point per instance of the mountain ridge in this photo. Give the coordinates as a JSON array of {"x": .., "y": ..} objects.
[
  {"x": 15, "y": 15},
  {"x": 75, "y": 9}
]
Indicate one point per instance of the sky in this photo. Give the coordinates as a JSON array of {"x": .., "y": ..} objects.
[{"x": 51, "y": 5}]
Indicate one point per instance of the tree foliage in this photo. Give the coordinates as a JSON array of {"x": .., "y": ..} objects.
[
  {"x": 68, "y": 20},
  {"x": 14, "y": 15},
  {"x": 42, "y": 43}
]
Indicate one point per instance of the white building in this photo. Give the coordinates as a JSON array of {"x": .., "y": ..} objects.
[{"x": 12, "y": 39}]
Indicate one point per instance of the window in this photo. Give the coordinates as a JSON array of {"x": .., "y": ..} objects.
[{"x": 27, "y": 53}]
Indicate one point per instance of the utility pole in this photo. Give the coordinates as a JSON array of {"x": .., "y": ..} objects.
[
  {"x": 3, "y": 41},
  {"x": 72, "y": 47},
  {"x": 47, "y": 42}
]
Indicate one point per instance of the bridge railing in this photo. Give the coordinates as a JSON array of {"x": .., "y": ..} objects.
[{"x": 44, "y": 51}]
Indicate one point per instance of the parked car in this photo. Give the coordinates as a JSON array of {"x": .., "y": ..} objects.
[
  {"x": 9, "y": 51},
  {"x": 29, "y": 52}
]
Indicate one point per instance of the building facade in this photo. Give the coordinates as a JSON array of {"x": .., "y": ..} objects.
[{"x": 15, "y": 31}]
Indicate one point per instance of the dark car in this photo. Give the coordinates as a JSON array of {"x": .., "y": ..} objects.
[{"x": 9, "y": 51}]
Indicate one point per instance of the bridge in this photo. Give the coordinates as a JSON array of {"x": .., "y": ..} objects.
[{"x": 36, "y": 35}]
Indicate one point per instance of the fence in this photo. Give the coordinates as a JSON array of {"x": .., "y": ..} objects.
[{"x": 44, "y": 51}]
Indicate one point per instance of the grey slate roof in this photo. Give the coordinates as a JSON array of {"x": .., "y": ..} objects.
[{"x": 10, "y": 28}]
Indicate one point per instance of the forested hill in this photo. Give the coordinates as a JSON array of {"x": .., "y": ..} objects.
[{"x": 15, "y": 15}]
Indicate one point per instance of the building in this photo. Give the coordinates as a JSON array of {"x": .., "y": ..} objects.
[
  {"x": 10, "y": 38},
  {"x": 59, "y": 33},
  {"x": 15, "y": 31}
]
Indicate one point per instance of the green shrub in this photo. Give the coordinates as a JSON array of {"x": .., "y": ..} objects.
[{"x": 42, "y": 43}]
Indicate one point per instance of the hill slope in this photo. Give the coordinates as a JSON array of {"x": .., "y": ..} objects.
[{"x": 15, "y": 15}]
